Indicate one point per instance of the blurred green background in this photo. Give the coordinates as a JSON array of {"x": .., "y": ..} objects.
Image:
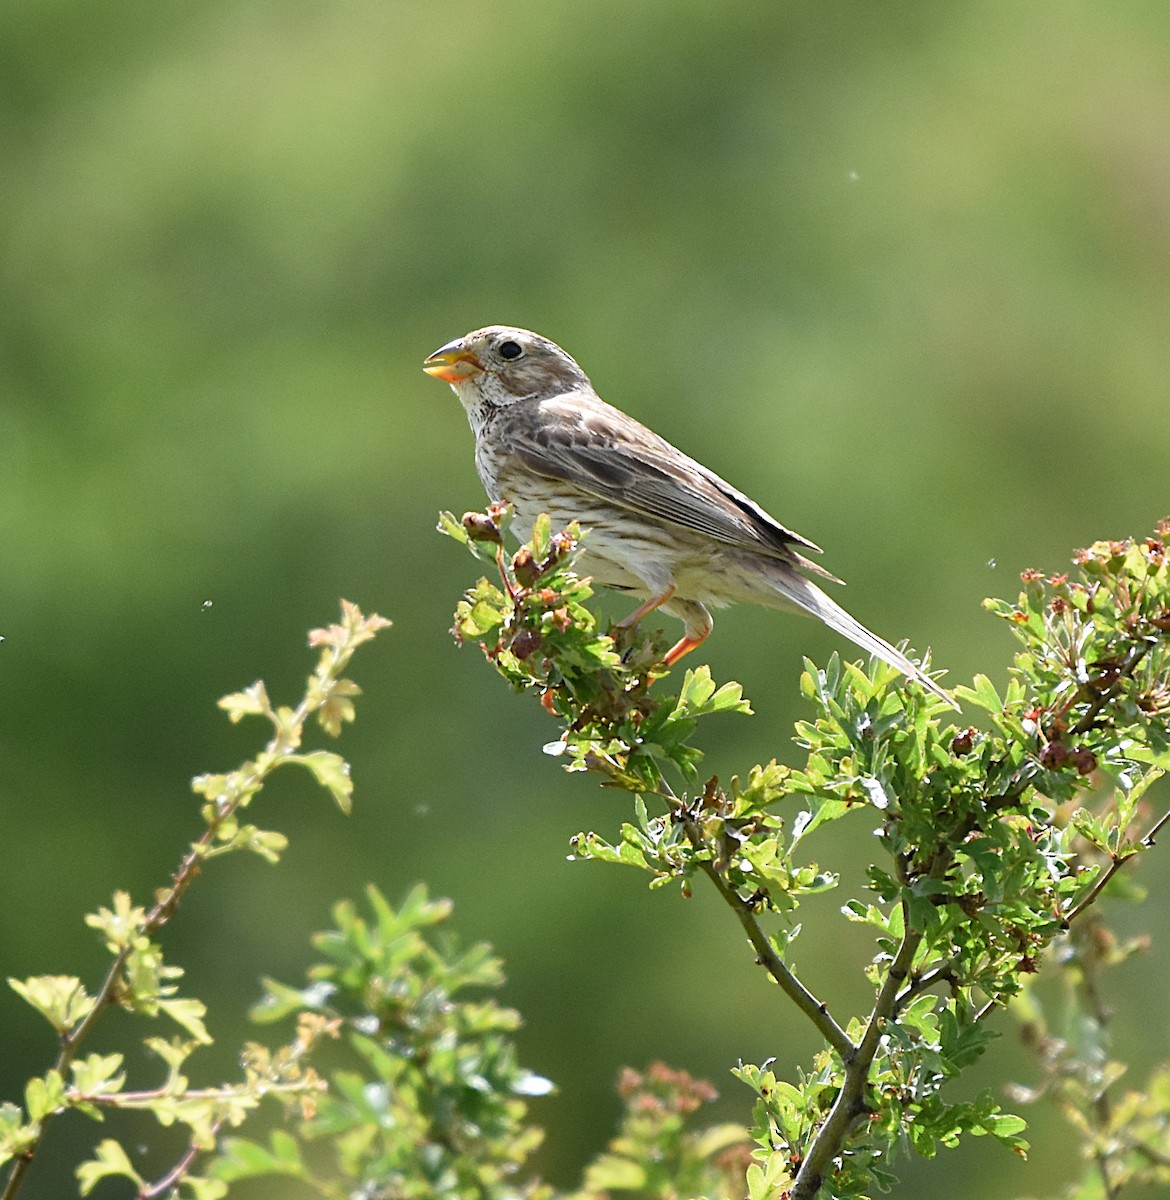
[{"x": 899, "y": 270}]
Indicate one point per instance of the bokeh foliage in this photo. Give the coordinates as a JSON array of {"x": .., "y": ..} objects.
[{"x": 897, "y": 270}]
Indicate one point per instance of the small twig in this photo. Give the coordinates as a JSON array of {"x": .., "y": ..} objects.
[
  {"x": 150, "y": 1191},
  {"x": 106, "y": 996},
  {"x": 1110, "y": 693},
  {"x": 943, "y": 973},
  {"x": 1101, "y": 1161},
  {"x": 816, "y": 1010},
  {"x": 1119, "y": 861},
  {"x": 1151, "y": 1153},
  {"x": 1087, "y": 958},
  {"x": 147, "y": 1099}
]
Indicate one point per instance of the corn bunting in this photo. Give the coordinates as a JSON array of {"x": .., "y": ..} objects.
[{"x": 661, "y": 525}]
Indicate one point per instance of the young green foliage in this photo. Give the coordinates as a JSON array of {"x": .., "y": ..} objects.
[
  {"x": 426, "y": 1098},
  {"x": 140, "y": 980},
  {"x": 983, "y": 832}
]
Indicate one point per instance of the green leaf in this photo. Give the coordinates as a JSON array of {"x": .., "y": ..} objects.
[
  {"x": 43, "y": 1096},
  {"x": 188, "y": 1013},
  {"x": 613, "y": 1172},
  {"x": 280, "y": 1000},
  {"x": 267, "y": 843},
  {"x": 331, "y": 771},
  {"x": 173, "y": 1051},
  {"x": 121, "y": 925},
  {"x": 770, "y": 1180},
  {"x": 98, "y": 1073},
  {"x": 983, "y": 694},
  {"x": 240, "y": 1158},
  {"x": 61, "y": 999},
  {"x": 16, "y": 1137},
  {"x": 1006, "y": 1127},
  {"x": 336, "y": 703},
  {"x": 699, "y": 696},
  {"x": 110, "y": 1159},
  {"x": 716, "y": 1138},
  {"x": 251, "y": 702},
  {"x": 541, "y": 536},
  {"x": 452, "y": 528},
  {"x": 202, "y": 1188}
]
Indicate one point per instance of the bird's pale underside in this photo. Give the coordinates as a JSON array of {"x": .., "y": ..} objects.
[{"x": 661, "y": 525}]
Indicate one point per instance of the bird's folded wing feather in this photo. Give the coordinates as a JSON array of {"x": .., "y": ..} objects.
[{"x": 584, "y": 442}]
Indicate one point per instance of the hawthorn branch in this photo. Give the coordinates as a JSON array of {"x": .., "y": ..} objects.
[
  {"x": 111, "y": 988},
  {"x": 816, "y": 1010},
  {"x": 850, "y": 1106},
  {"x": 338, "y": 644},
  {"x": 1118, "y": 861},
  {"x": 943, "y": 973},
  {"x": 1108, "y": 694},
  {"x": 151, "y": 1191}
]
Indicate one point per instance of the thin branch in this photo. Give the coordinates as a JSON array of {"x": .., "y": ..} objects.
[
  {"x": 232, "y": 1091},
  {"x": 1119, "y": 861},
  {"x": 1094, "y": 893},
  {"x": 1089, "y": 719},
  {"x": 850, "y": 1106},
  {"x": 1151, "y": 1153},
  {"x": 105, "y": 998},
  {"x": 150, "y": 1191},
  {"x": 107, "y": 994},
  {"x": 1108, "y": 1189},
  {"x": 816, "y": 1010},
  {"x": 1088, "y": 960},
  {"x": 943, "y": 973}
]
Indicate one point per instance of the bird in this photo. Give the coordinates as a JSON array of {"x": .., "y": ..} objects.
[{"x": 661, "y": 526}]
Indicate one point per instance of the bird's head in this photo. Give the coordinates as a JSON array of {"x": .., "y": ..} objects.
[{"x": 500, "y": 365}]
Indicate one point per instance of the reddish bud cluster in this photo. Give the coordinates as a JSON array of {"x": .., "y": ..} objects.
[
  {"x": 525, "y": 643},
  {"x": 1056, "y": 755},
  {"x": 662, "y": 1090},
  {"x": 526, "y": 569},
  {"x": 964, "y": 742},
  {"x": 481, "y": 528}
]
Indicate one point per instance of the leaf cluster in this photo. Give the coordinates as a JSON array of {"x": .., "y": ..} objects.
[{"x": 426, "y": 1098}]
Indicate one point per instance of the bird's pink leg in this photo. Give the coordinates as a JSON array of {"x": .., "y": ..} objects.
[
  {"x": 642, "y": 609},
  {"x": 683, "y": 646}
]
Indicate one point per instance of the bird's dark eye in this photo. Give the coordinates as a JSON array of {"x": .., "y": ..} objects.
[{"x": 510, "y": 350}]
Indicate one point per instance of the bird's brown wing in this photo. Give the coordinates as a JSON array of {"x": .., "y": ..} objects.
[{"x": 579, "y": 439}]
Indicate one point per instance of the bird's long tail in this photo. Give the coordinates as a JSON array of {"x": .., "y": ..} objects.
[{"x": 803, "y": 594}]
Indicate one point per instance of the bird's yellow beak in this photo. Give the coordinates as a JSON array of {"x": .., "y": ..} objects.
[{"x": 452, "y": 363}]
